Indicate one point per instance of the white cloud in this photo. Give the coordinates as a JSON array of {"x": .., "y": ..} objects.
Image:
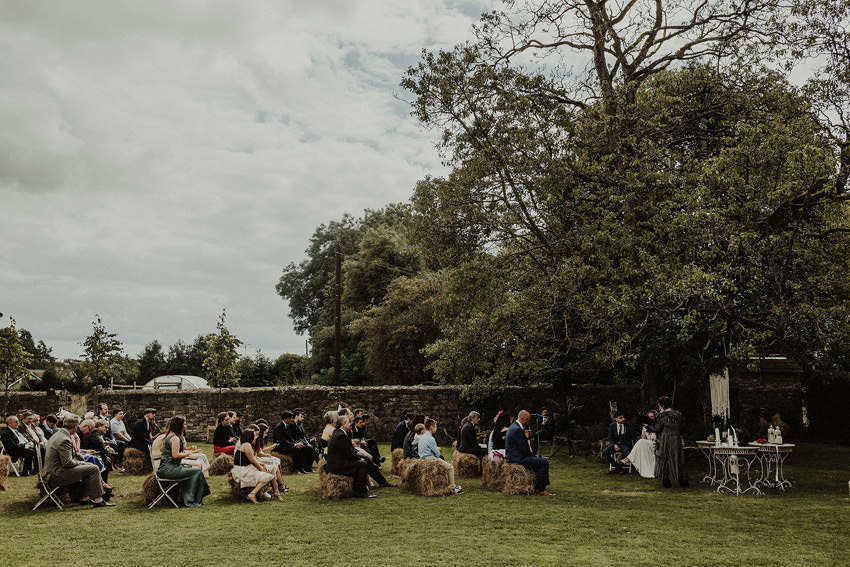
[{"x": 162, "y": 160}]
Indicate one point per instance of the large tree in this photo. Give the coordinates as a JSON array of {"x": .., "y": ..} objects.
[{"x": 654, "y": 215}]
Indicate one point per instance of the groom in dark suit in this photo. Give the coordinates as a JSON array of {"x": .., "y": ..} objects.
[
  {"x": 517, "y": 451},
  {"x": 621, "y": 439}
]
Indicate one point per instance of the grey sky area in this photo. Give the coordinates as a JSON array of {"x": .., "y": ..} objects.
[{"x": 160, "y": 161}]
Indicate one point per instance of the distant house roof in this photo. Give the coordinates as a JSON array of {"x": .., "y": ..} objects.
[{"x": 176, "y": 382}]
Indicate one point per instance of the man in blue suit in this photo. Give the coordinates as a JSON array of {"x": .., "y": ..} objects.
[
  {"x": 517, "y": 451},
  {"x": 621, "y": 439}
]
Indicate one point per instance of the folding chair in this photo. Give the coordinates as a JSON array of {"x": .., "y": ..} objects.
[
  {"x": 165, "y": 485},
  {"x": 617, "y": 456},
  {"x": 12, "y": 462},
  {"x": 48, "y": 492}
]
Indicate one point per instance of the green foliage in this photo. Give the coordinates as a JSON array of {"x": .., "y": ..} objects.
[
  {"x": 221, "y": 357},
  {"x": 14, "y": 359},
  {"x": 102, "y": 354},
  {"x": 151, "y": 362}
]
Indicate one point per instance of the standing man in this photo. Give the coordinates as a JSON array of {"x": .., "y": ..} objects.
[
  {"x": 518, "y": 451},
  {"x": 468, "y": 439},
  {"x": 140, "y": 435},
  {"x": 343, "y": 458},
  {"x": 64, "y": 466},
  {"x": 18, "y": 446}
]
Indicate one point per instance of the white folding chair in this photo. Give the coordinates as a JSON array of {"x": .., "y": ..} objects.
[
  {"x": 12, "y": 464},
  {"x": 165, "y": 485},
  {"x": 48, "y": 492}
]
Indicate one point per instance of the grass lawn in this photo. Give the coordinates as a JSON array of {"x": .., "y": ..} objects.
[{"x": 595, "y": 519}]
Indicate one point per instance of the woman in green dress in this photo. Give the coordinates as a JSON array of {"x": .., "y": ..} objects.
[{"x": 193, "y": 485}]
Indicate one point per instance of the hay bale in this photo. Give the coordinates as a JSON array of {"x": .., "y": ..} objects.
[
  {"x": 396, "y": 457},
  {"x": 238, "y": 493},
  {"x": 433, "y": 476},
  {"x": 410, "y": 474},
  {"x": 466, "y": 465},
  {"x": 507, "y": 478},
  {"x": 5, "y": 463},
  {"x": 334, "y": 486},
  {"x": 136, "y": 462},
  {"x": 150, "y": 491},
  {"x": 286, "y": 464},
  {"x": 221, "y": 465}
]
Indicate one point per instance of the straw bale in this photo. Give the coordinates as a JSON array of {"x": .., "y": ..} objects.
[
  {"x": 136, "y": 462},
  {"x": 221, "y": 465},
  {"x": 150, "y": 491},
  {"x": 410, "y": 474},
  {"x": 433, "y": 478},
  {"x": 334, "y": 486},
  {"x": 507, "y": 477},
  {"x": 236, "y": 491},
  {"x": 466, "y": 464},
  {"x": 491, "y": 477},
  {"x": 286, "y": 464},
  {"x": 395, "y": 459},
  {"x": 5, "y": 462}
]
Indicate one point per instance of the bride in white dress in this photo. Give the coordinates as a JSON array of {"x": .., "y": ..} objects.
[{"x": 642, "y": 455}]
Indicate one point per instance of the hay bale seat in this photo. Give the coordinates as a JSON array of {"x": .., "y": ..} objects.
[
  {"x": 334, "y": 486},
  {"x": 507, "y": 478},
  {"x": 150, "y": 491},
  {"x": 5, "y": 464},
  {"x": 429, "y": 477},
  {"x": 238, "y": 493},
  {"x": 467, "y": 465},
  {"x": 136, "y": 462},
  {"x": 286, "y": 464},
  {"x": 221, "y": 465},
  {"x": 396, "y": 457}
]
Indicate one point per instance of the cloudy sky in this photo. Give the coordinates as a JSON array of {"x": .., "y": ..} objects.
[{"x": 160, "y": 161}]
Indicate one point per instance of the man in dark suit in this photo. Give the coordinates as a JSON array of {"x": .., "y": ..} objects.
[
  {"x": 288, "y": 439},
  {"x": 358, "y": 431},
  {"x": 300, "y": 436},
  {"x": 343, "y": 459},
  {"x": 140, "y": 435},
  {"x": 401, "y": 430},
  {"x": 517, "y": 451},
  {"x": 621, "y": 439},
  {"x": 468, "y": 439},
  {"x": 63, "y": 466},
  {"x": 19, "y": 446}
]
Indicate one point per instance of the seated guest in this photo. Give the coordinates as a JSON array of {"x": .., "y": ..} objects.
[
  {"x": 223, "y": 439},
  {"x": 64, "y": 466},
  {"x": 343, "y": 458},
  {"x": 48, "y": 426},
  {"x": 546, "y": 432},
  {"x": 19, "y": 446},
  {"x": 330, "y": 426},
  {"x": 518, "y": 451},
  {"x": 621, "y": 439},
  {"x": 144, "y": 431},
  {"x": 497, "y": 437},
  {"x": 642, "y": 455},
  {"x": 193, "y": 485},
  {"x": 411, "y": 449},
  {"x": 401, "y": 430},
  {"x": 248, "y": 471},
  {"x": 272, "y": 464},
  {"x": 31, "y": 431},
  {"x": 428, "y": 449},
  {"x": 92, "y": 442},
  {"x": 300, "y": 436},
  {"x": 118, "y": 432},
  {"x": 286, "y": 435},
  {"x": 358, "y": 432},
  {"x": 236, "y": 423},
  {"x": 468, "y": 439}
]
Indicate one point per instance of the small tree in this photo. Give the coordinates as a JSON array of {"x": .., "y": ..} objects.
[
  {"x": 221, "y": 357},
  {"x": 13, "y": 360},
  {"x": 102, "y": 351}
]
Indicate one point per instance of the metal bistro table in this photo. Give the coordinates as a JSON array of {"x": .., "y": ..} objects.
[
  {"x": 731, "y": 460},
  {"x": 772, "y": 457},
  {"x": 705, "y": 447}
]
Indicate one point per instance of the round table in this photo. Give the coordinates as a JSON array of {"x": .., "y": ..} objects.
[
  {"x": 772, "y": 456},
  {"x": 730, "y": 460}
]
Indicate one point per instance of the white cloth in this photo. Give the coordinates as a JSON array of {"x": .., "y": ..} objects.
[{"x": 642, "y": 456}]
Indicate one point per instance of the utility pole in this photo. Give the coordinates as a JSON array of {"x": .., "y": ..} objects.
[{"x": 337, "y": 315}]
